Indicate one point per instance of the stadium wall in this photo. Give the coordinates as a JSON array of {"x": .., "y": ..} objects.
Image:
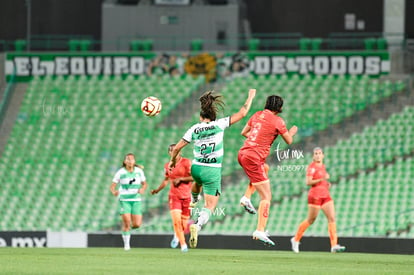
[
  {"x": 121, "y": 24},
  {"x": 113, "y": 239},
  {"x": 50, "y": 17},
  {"x": 364, "y": 245},
  {"x": 317, "y": 18}
]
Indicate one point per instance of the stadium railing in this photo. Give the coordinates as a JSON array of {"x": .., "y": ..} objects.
[{"x": 252, "y": 42}]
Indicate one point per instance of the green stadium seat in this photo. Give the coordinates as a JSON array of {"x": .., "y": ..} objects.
[
  {"x": 74, "y": 45},
  {"x": 304, "y": 44},
  {"x": 85, "y": 45},
  {"x": 136, "y": 45},
  {"x": 369, "y": 44},
  {"x": 147, "y": 45},
  {"x": 316, "y": 44},
  {"x": 253, "y": 44},
  {"x": 382, "y": 44},
  {"x": 20, "y": 45},
  {"x": 196, "y": 45}
]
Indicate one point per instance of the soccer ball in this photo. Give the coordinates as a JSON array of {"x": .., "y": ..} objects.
[{"x": 151, "y": 106}]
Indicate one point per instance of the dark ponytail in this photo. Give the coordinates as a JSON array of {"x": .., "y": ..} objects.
[{"x": 210, "y": 104}]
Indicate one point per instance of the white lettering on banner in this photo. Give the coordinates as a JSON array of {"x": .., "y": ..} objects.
[
  {"x": 120, "y": 65},
  {"x": 26, "y": 66},
  {"x": 94, "y": 65},
  {"x": 61, "y": 66},
  {"x": 137, "y": 65},
  {"x": 28, "y": 242},
  {"x": 278, "y": 64},
  {"x": 321, "y": 65},
  {"x": 3, "y": 242},
  {"x": 373, "y": 65},
  {"x": 262, "y": 65},
  {"x": 37, "y": 68},
  {"x": 107, "y": 66},
  {"x": 77, "y": 66},
  {"x": 338, "y": 65},
  {"x": 39, "y": 242},
  {"x": 356, "y": 65},
  {"x": 22, "y": 66},
  {"x": 304, "y": 64}
]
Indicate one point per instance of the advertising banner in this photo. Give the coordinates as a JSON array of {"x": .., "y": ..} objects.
[{"x": 213, "y": 66}]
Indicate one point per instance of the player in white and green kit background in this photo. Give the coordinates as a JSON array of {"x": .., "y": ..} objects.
[
  {"x": 132, "y": 184},
  {"x": 207, "y": 136}
]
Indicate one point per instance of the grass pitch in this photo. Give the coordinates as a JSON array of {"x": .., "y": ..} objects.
[{"x": 196, "y": 261}]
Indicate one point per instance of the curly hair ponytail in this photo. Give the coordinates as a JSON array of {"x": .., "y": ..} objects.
[{"x": 210, "y": 104}]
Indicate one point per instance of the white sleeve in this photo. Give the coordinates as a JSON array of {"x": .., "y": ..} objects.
[
  {"x": 224, "y": 122},
  {"x": 142, "y": 175},
  {"x": 188, "y": 135},
  {"x": 116, "y": 178}
]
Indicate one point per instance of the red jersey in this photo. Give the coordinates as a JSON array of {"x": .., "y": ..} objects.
[
  {"x": 181, "y": 169},
  {"x": 264, "y": 129},
  {"x": 317, "y": 171}
]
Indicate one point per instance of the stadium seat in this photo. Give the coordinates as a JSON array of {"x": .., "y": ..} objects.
[
  {"x": 20, "y": 45},
  {"x": 304, "y": 44},
  {"x": 382, "y": 43},
  {"x": 196, "y": 45},
  {"x": 253, "y": 44},
  {"x": 316, "y": 44},
  {"x": 369, "y": 44},
  {"x": 74, "y": 45}
]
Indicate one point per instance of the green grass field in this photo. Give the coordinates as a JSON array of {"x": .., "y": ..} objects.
[{"x": 196, "y": 261}]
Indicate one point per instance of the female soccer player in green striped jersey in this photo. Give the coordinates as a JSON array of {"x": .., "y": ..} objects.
[
  {"x": 207, "y": 136},
  {"x": 132, "y": 184}
]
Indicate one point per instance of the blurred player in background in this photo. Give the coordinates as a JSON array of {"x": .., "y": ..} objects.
[
  {"x": 261, "y": 130},
  {"x": 318, "y": 198},
  {"x": 132, "y": 184},
  {"x": 208, "y": 153},
  {"x": 180, "y": 196}
]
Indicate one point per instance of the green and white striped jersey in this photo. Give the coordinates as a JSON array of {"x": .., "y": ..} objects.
[
  {"x": 129, "y": 183},
  {"x": 208, "y": 141}
]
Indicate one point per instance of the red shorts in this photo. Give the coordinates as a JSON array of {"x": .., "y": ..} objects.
[
  {"x": 176, "y": 203},
  {"x": 254, "y": 168},
  {"x": 318, "y": 200}
]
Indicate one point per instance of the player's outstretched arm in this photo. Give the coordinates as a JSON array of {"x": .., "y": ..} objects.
[
  {"x": 174, "y": 153},
  {"x": 162, "y": 186},
  {"x": 244, "y": 109}
]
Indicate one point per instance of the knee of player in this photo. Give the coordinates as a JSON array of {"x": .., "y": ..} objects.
[
  {"x": 331, "y": 219},
  {"x": 311, "y": 220},
  {"x": 136, "y": 226}
]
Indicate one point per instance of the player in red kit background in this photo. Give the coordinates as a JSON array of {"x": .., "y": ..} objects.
[
  {"x": 261, "y": 130},
  {"x": 179, "y": 197},
  {"x": 318, "y": 198}
]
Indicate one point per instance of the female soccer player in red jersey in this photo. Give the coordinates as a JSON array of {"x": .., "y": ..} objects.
[
  {"x": 318, "y": 198},
  {"x": 180, "y": 196},
  {"x": 261, "y": 130}
]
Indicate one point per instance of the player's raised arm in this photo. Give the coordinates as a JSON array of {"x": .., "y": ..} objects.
[
  {"x": 288, "y": 136},
  {"x": 244, "y": 109},
  {"x": 177, "y": 148}
]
